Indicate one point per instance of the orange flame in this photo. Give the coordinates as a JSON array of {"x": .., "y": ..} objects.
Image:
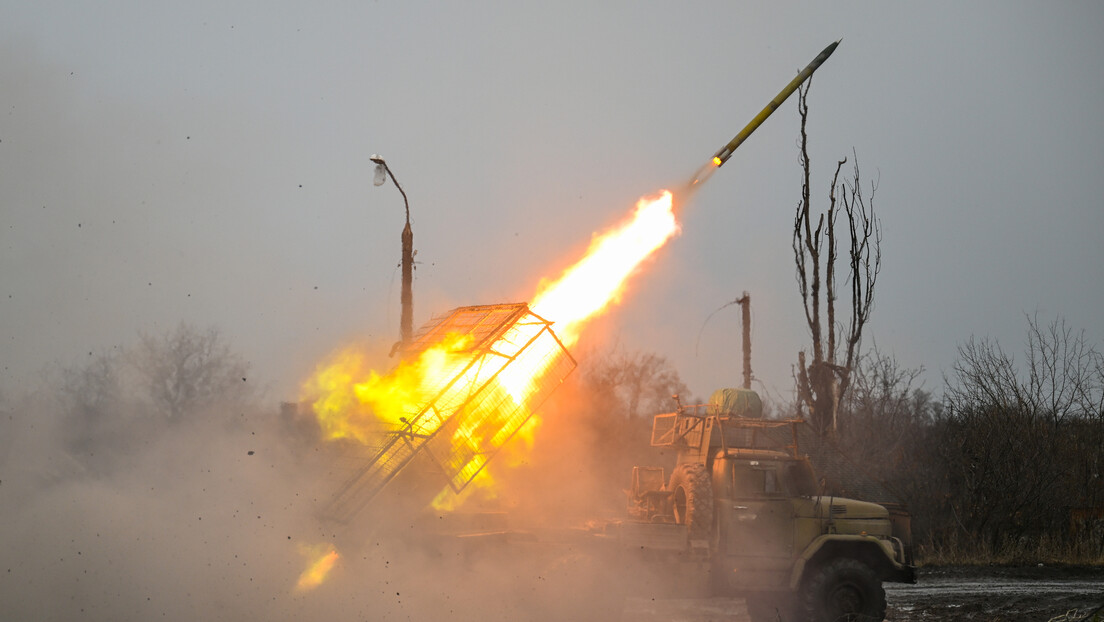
[
  {"x": 588, "y": 287},
  {"x": 322, "y": 561},
  {"x": 355, "y": 402},
  {"x": 583, "y": 291}
]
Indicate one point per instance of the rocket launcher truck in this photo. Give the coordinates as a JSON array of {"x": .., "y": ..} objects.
[{"x": 744, "y": 504}]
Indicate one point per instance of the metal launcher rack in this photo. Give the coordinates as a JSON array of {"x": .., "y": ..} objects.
[
  {"x": 696, "y": 427},
  {"x": 505, "y": 362}
]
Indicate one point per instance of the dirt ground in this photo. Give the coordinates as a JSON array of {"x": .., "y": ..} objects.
[
  {"x": 554, "y": 576},
  {"x": 997, "y": 594},
  {"x": 958, "y": 594}
]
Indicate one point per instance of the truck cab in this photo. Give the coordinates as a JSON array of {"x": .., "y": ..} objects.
[{"x": 750, "y": 503}]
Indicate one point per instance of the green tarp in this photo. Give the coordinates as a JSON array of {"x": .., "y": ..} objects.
[{"x": 736, "y": 403}]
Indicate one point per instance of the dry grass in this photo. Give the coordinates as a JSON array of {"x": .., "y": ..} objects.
[
  {"x": 1077, "y": 615},
  {"x": 1022, "y": 551}
]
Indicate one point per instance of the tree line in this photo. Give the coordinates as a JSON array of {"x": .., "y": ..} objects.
[
  {"x": 1008, "y": 464},
  {"x": 117, "y": 400}
]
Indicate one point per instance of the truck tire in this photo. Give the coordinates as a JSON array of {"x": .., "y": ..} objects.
[
  {"x": 844, "y": 589},
  {"x": 692, "y": 499}
]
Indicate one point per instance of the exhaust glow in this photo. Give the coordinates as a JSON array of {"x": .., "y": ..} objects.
[
  {"x": 598, "y": 279},
  {"x": 322, "y": 560},
  {"x": 352, "y": 401}
]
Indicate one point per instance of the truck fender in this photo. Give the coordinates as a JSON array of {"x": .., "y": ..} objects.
[{"x": 882, "y": 549}]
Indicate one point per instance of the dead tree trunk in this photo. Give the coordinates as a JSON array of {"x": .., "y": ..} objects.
[{"x": 823, "y": 381}]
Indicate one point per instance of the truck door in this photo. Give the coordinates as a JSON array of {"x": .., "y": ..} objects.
[{"x": 756, "y": 525}]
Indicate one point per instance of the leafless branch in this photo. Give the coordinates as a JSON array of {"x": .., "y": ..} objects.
[{"x": 823, "y": 381}]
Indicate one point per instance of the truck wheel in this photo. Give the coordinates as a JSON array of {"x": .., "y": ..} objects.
[
  {"x": 845, "y": 589},
  {"x": 692, "y": 499}
]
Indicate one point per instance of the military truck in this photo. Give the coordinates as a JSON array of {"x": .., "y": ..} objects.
[{"x": 746, "y": 504}]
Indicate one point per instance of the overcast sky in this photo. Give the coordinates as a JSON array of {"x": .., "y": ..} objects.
[{"x": 209, "y": 162}]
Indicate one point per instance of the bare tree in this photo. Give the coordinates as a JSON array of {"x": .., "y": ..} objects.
[
  {"x": 884, "y": 406},
  {"x": 189, "y": 369},
  {"x": 822, "y": 382},
  {"x": 885, "y": 428},
  {"x": 635, "y": 384},
  {"x": 1064, "y": 376},
  {"x": 92, "y": 396},
  {"x": 93, "y": 389},
  {"x": 1022, "y": 446},
  {"x": 1066, "y": 373}
]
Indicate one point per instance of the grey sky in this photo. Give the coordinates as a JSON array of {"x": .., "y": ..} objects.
[{"x": 209, "y": 163}]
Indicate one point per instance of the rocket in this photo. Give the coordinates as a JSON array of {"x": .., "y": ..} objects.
[{"x": 725, "y": 152}]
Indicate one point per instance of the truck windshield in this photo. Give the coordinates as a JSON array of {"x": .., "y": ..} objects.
[
  {"x": 798, "y": 479},
  {"x": 773, "y": 479}
]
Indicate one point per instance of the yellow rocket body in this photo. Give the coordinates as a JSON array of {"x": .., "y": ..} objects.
[{"x": 725, "y": 152}]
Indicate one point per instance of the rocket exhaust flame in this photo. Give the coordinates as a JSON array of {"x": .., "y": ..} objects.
[
  {"x": 588, "y": 287},
  {"x": 464, "y": 396}
]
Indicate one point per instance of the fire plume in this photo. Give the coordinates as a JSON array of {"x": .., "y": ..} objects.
[
  {"x": 588, "y": 287},
  {"x": 480, "y": 396},
  {"x": 353, "y": 401}
]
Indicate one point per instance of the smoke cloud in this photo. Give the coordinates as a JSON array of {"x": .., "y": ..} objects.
[{"x": 212, "y": 516}]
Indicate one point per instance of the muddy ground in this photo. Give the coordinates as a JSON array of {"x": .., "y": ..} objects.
[
  {"x": 992, "y": 594},
  {"x": 560, "y": 576},
  {"x": 958, "y": 594}
]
